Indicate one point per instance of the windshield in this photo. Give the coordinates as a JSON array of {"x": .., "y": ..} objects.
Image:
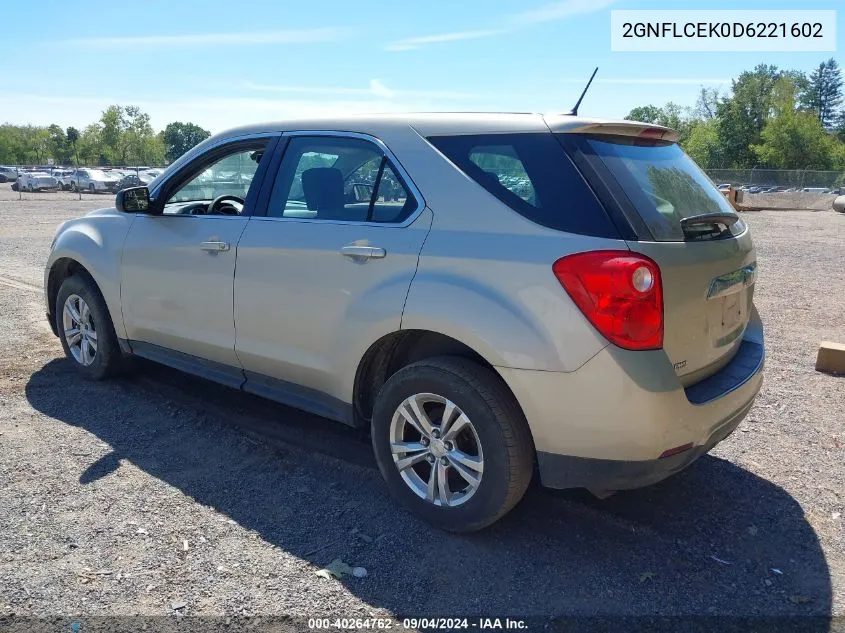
[{"x": 662, "y": 182}]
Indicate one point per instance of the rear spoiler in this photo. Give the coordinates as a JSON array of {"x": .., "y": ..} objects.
[{"x": 565, "y": 124}]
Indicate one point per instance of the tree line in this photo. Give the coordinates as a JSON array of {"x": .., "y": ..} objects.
[
  {"x": 770, "y": 118},
  {"x": 122, "y": 136}
]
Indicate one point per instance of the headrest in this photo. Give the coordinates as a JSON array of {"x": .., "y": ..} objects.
[
  {"x": 492, "y": 176},
  {"x": 323, "y": 188}
]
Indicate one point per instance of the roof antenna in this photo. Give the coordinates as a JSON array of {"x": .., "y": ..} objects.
[{"x": 574, "y": 111}]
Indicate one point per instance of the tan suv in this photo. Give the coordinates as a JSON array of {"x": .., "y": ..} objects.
[{"x": 491, "y": 294}]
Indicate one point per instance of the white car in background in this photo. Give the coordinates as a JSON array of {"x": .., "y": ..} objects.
[
  {"x": 63, "y": 176},
  {"x": 36, "y": 181},
  {"x": 94, "y": 181}
]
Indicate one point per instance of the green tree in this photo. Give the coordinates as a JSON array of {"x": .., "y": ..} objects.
[
  {"x": 670, "y": 115},
  {"x": 113, "y": 133},
  {"x": 180, "y": 137},
  {"x": 72, "y": 135},
  {"x": 743, "y": 115},
  {"x": 57, "y": 145},
  {"x": 90, "y": 146},
  {"x": 823, "y": 92},
  {"x": 703, "y": 143},
  {"x": 12, "y": 146},
  {"x": 706, "y": 104},
  {"x": 138, "y": 135},
  {"x": 792, "y": 138},
  {"x": 646, "y": 114}
]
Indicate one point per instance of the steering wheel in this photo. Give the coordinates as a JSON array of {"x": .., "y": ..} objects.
[{"x": 212, "y": 208}]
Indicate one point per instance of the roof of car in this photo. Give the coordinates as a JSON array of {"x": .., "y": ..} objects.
[{"x": 434, "y": 123}]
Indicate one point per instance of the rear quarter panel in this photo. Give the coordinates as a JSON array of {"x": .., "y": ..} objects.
[{"x": 485, "y": 273}]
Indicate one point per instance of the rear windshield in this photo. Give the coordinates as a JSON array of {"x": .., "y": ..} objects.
[
  {"x": 661, "y": 181},
  {"x": 532, "y": 174}
]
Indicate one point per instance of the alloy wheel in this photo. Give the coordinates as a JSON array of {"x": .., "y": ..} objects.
[
  {"x": 80, "y": 334},
  {"x": 436, "y": 449}
]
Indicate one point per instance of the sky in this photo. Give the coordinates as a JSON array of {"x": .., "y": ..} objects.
[{"x": 223, "y": 63}]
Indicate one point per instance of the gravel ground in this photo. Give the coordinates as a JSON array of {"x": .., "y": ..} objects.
[{"x": 160, "y": 493}]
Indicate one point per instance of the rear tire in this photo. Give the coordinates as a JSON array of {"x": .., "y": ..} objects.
[
  {"x": 494, "y": 445},
  {"x": 95, "y": 326}
]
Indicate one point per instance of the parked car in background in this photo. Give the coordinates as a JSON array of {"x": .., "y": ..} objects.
[
  {"x": 131, "y": 179},
  {"x": 64, "y": 178},
  {"x": 8, "y": 174},
  {"x": 37, "y": 181},
  {"x": 495, "y": 310},
  {"x": 816, "y": 190},
  {"x": 94, "y": 181},
  {"x": 725, "y": 186}
]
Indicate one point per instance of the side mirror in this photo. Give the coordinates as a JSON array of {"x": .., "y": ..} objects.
[{"x": 133, "y": 200}]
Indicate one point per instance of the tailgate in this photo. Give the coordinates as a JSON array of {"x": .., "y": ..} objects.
[
  {"x": 707, "y": 294},
  {"x": 681, "y": 221}
]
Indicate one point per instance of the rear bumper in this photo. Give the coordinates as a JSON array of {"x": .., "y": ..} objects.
[
  {"x": 606, "y": 424},
  {"x": 566, "y": 471}
]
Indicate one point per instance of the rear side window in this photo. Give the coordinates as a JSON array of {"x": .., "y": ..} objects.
[
  {"x": 339, "y": 179},
  {"x": 532, "y": 174},
  {"x": 663, "y": 184}
]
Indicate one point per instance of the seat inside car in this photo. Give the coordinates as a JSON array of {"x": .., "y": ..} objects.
[{"x": 323, "y": 191}]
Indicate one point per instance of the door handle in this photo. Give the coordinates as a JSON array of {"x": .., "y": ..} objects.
[
  {"x": 366, "y": 252},
  {"x": 215, "y": 247}
]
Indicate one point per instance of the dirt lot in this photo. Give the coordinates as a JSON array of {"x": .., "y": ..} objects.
[{"x": 163, "y": 494}]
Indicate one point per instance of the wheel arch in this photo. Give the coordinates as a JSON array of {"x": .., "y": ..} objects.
[
  {"x": 396, "y": 350},
  {"x": 60, "y": 270},
  {"x": 84, "y": 248}
]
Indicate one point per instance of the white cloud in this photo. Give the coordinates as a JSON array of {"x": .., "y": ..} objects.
[
  {"x": 545, "y": 13},
  {"x": 645, "y": 81},
  {"x": 412, "y": 43},
  {"x": 559, "y": 11},
  {"x": 376, "y": 88},
  {"x": 296, "y": 89},
  {"x": 293, "y": 36},
  {"x": 380, "y": 90}
]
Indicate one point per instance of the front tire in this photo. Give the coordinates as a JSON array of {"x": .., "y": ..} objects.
[
  {"x": 86, "y": 330},
  {"x": 452, "y": 443}
]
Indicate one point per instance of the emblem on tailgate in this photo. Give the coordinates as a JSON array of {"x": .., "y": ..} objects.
[{"x": 732, "y": 282}]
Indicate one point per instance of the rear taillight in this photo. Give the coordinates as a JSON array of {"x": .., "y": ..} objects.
[{"x": 619, "y": 292}]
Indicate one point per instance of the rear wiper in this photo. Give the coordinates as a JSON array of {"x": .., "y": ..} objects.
[
  {"x": 728, "y": 219},
  {"x": 695, "y": 227}
]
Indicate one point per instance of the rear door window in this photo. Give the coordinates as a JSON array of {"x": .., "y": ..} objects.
[
  {"x": 663, "y": 184},
  {"x": 339, "y": 179},
  {"x": 532, "y": 174}
]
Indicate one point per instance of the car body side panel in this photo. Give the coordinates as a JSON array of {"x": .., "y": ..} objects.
[
  {"x": 305, "y": 314},
  {"x": 498, "y": 295},
  {"x": 485, "y": 274},
  {"x": 96, "y": 242},
  {"x": 176, "y": 294}
]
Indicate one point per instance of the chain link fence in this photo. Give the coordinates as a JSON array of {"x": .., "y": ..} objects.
[{"x": 784, "y": 179}]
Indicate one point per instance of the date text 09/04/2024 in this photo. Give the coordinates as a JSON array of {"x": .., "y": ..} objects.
[{"x": 409, "y": 624}]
